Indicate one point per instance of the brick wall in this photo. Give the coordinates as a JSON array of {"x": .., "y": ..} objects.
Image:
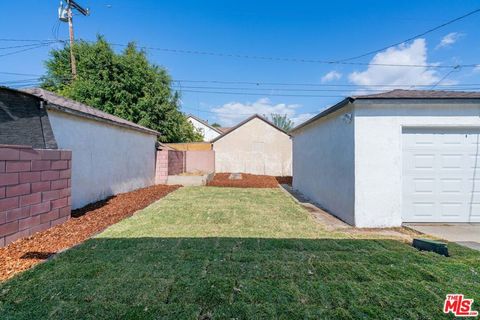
[
  {"x": 35, "y": 190},
  {"x": 161, "y": 167}
]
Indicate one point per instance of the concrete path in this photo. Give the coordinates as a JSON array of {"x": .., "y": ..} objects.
[{"x": 467, "y": 234}]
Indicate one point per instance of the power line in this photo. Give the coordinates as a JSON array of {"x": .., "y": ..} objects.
[
  {"x": 412, "y": 38},
  {"x": 266, "y": 94},
  {"x": 24, "y": 50}
]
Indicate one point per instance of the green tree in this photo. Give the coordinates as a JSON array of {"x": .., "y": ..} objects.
[
  {"x": 282, "y": 121},
  {"x": 216, "y": 125},
  {"x": 124, "y": 84}
]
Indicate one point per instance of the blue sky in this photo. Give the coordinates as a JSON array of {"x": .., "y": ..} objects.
[{"x": 322, "y": 30}]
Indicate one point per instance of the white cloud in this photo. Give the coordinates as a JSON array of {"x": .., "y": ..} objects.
[
  {"x": 449, "y": 39},
  {"x": 331, "y": 76},
  {"x": 232, "y": 113},
  {"x": 399, "y": 77},
  {"x": 477, "y": 68}
]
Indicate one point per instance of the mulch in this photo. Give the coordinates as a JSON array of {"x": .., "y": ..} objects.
[
  {"x": 247, "y": 181},
  {"x": 85, "y": 223}
]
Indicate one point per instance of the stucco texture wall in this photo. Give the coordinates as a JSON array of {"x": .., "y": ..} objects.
[
  {"x": 107, "y": 159},
  {"x": 323, "y": 164},
  {"x": 378, "y": 150},
  {"x": 257, "y": 148}
]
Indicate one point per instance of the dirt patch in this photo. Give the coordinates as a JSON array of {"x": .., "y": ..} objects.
[
  {"x": 284, "y": 180},
  {"x": 246, "y": 181},
  {"x": 85, "y": 222}
]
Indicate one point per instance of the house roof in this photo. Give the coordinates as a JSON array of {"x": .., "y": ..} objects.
[
  {"x": 257, "y": 116},
  {"x": 225, "y": 129},
  {"x": 205, "y": 123},
  {"x": 393, "y": 95},
  {"x": 71, "y": 106}
]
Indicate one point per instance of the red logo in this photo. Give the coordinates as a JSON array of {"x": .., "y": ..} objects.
[{"x": 459, "y": 306}]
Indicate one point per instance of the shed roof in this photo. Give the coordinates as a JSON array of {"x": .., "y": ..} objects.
[
  {"x": 205, "y": 123},
  {"x": 71, "y": 106},
  {"x": 394, "y": 95},
  {"x": 255, "y": 116}
]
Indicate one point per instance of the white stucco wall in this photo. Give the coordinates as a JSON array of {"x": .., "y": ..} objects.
[
  {"x": 323, "y": 163},
  {"x": 208, "y": 133},
  {"x": 378, "y": 151},
  {"x": 106, "y": 159},
  {"x": 256, "y": 147}
]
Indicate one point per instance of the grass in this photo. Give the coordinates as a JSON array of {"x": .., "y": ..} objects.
[{"x": 220, "y": 253}]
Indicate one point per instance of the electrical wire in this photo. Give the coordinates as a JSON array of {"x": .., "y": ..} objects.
[{"x": 411, "y": 38}]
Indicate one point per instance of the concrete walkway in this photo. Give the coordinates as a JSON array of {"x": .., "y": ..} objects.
[{"x": 467, "y": 234}]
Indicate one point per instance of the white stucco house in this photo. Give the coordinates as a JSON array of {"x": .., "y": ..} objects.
[
  {"x": 110, "y": 155},
  {"x": 381, "y": 160},
  {"x": 254, "y": 146},
  {"x": 208, "y": 132}
]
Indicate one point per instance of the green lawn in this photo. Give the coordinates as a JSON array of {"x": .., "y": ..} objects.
[{"x": 220, "y": 253}]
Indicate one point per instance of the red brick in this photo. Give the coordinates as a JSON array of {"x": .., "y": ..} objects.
[
  {"x": 17, "y": 214},
  {"x": 9, "y": 154},
  {"x": 65, "y": 174},
  {"x": 30, "y": 154},
  {"x": 59, "y": 203},
  {"x": 49, "y": 216},
  {"x": 66, "y": 155},
  {"x": 8, "y": 204},
  {"x": 67, "y": 192},
  {"x": 18, "y": 190},
  {"x": 2, "y": 242},
  {"x": 18, "y": 166},
  {"x": 40, "y": 165},
  {"x": 3, "y": 217},
  {"x": 59, "y": 184},
  {"x": 69, "y": 201},
  {"x": 40, "y": 186},
  {"x": 29, "y": 176},
  {"x": 2, "y": 192},
  {"x": 8, "y": 228},
  {"x": 40, "y": 208},
  {"x": 69, "y": 164},
  {"x": 59, "y": 165},
  {"x": 59, "y": 221},
  {"x": 50, "y": 154},
  {"x": 69, "y": 183},
  {"x": 50, "y": 175},
  {"x": 8, "y": 179},
  {"x": 65, "y": 211},
  {"x": 39, "y": 228},
  {"x": 13, "y": 237},
  {"x": 30, "y": 199},
  {"x": 28, "y": 223},
  {"x": 50, "y": 195},
  {"x": 2, "y": 166}
]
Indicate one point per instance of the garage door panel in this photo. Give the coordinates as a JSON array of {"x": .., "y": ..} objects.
[{"x": 441, "y": 175}]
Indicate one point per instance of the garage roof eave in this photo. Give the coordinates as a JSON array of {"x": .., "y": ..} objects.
[{"x": 322, "y": 114}]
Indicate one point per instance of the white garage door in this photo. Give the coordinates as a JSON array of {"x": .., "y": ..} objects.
[{"x": 441, "y": 175}]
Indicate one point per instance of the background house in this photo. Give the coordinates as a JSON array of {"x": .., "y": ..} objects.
[
  {"x": 208, "y": 132},
  {"x": 110, "y": 155},
  {"x": 401, "y": 156},
  {"x": 254, "y": 146}
]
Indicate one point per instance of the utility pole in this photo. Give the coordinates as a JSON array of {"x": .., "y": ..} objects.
[{"x": 66, "y": 15}]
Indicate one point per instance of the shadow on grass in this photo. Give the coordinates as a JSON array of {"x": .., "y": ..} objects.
[{"x": 242, "y": 278}]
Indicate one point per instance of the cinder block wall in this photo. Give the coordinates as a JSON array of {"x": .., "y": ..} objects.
[
  {"x": 161, "y": 167},
  {"x": 35, "y": 190}
]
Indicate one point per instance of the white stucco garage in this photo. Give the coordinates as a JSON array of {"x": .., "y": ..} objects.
[
  {"x": 254, "y": 146},
  {"x": 110, "y": 155},
  {"x": 402, "y": 156}
]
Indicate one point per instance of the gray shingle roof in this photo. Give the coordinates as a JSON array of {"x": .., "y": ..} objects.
[
  {"x": 69, "y": 105},
  {"x": 394, "y": 94},
  {"x": 421, "y": 94}
]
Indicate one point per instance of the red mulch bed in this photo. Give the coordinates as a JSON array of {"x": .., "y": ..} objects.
[
  {"x": 85, "y": 222},
  {"x": 284, "y": 180},
  {"x": 247, "y": 181}
]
